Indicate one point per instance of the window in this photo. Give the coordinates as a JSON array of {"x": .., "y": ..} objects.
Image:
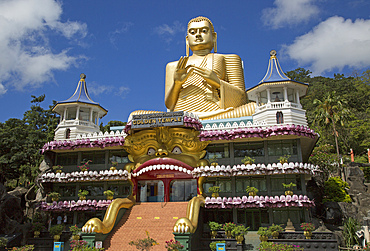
[
  {"x": 84, "y": 114},
  {"x": 291, "y": 96},
  {"x": 250, "y": 149},
  {"x": 263, "y": 97},
  {"x": 94, "y": 190},
  {"x": 224, "y": 184},
  {"x": 282, "y": 147},
  {"x": 97, "y": 157},
  {"x": 279, "y": 118},
  {"x": 219, "y": 151},
  {"x": 119, "y": 156},
  {"x": 121, "y": 188},
  {"x": 67, "y": 159},
  {"x": 68, "y": 133},
  {"x": 71, "y": 113},
  {"x": 257, "y": 182},
  {"x": 183, "y": 190},
  {"x": 253, "y": 218},
  {"x": 278, "y": 180},
  {"x": 220, "y": 216},
  {"x": 67, "y": 190},
  {"x": 282, "y": 215},
  {"x": 277, "y": 95}
]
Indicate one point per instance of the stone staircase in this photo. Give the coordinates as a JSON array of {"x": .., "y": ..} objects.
[{"x": 155, "y": 217}]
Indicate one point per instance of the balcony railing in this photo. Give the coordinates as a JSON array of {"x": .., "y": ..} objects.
[
  {"x": 78, "y": 122},
  {"x": 278, "y": 105}
]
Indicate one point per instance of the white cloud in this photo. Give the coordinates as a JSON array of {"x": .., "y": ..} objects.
[
  {"x": 2, "y": 89},
  {"x": 289, "y": 12},
  {"x": 125, "y": 27},
  {"x": 334, "y": 43},
  {"x": 26, "y": 58},
  {"x": 98, "y": 89},
  {"x": 168, "y": 31}
]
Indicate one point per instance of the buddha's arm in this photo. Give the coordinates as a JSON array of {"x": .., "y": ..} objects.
[{"x": 171, "y": 90}]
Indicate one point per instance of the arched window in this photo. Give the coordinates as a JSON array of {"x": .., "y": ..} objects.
[
  {"x": 279, "y": 118},
  {"x": 68, "y": 133}
]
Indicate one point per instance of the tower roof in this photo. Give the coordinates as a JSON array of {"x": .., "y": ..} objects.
[
  {"x": 81, "y": 95},
  {"x": 274, "y": 72}
]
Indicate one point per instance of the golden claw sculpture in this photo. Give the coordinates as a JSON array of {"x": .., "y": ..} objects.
[
  {"x": 105, "y": 226},
  {"x": 189, "y": 223}
]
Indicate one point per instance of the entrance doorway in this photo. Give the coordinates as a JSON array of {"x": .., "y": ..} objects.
[{"x": 150, "y": 191}]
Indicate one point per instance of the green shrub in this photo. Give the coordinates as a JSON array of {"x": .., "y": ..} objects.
[
  {"x": 335, "y": 190},
  {"x": 351, "y": 226},
  {"x": 270, "y": 246},
  {"x": 366, "y": 170}
]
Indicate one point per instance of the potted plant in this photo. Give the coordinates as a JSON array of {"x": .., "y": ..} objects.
[
  {"x": 56, "y": 231},
  {"x": 109, "y": 194},
  {"x": 37, "y": 227},
  {"x": 289, "y": 188},
  {"x": 213, "y": 244},
  {"x": 214, "y": 227},
  {"x": 248, "y": 160},
  {"x": 213, "y": 161},
  {"x": 252, "y": 191},
  {"x": 238, "y": 232},
  {"x": 55, "y": 196},
  {"x": 284, "y": 159},
  {"x": 58, "y": 168},
  {"x": 114, "y": 165},
  {"x": 264, "y": 233},
  {"x": 82, "y": 194},
  {"x": 228, "y": 227},
  {"x": 214, "y": 190},
  {"x": 307, "y": 229},
  {"x": 144, "y": 244},
  {"x": 275, "y": 230},
  {"x": 173, "y": 245},
  {"x": 85, "y": 165},
  {"x": 75, "y": 232}
]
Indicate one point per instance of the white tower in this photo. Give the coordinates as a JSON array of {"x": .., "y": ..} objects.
[
  {"x": 277, "y": 97},
  {"x": 78, "y": 114}
]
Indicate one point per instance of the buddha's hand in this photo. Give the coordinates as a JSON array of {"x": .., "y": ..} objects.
[
  {"x": 93, "y": 225},
  {"x": 182, "y": 71},
  {"x": 209, "y": 75}
]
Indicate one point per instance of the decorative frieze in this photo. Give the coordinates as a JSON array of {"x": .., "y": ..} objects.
[
  {"x": 256, "y": 169},
  {"x": 80, "y": 205},
  {"x": 85, "y": 176}
]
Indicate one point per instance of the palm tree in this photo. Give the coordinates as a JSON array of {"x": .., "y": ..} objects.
[{"x": 330, "y": 112}]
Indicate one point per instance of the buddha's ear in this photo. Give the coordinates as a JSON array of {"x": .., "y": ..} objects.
[
  {"x": 214, "y": 35},
  {"x": 187, "y": 46}
]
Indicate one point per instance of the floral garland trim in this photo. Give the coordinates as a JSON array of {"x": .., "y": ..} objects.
[
  {"x": 82, "y": 143},
  {"x": 85, "y": 176},
  {"x": 257, "y": 132},
  {"x": 256, "y": 169},
  {"x": 80, "y": 205},
  {"x": 259, "y": 201}
]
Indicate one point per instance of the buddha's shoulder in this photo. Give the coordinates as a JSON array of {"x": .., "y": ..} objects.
[
  {"x": 229, "y": 56},
  {"x": 171, "y": 65}
]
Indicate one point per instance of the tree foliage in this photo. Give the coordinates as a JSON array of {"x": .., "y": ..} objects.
[
  {"x": 21, "y": 139},
  {"x": 352, "y": 120}
]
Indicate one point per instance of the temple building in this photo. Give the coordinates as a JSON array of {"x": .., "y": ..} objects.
[{"x": 166, "y": 158}]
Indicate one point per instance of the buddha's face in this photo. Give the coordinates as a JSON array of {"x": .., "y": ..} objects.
[{"x": 200, "y": 36}]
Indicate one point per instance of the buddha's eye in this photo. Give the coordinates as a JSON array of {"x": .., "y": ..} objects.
[
  {"x": 176, "y": 150},
  {"x": 192, "y": 31},
  {"x": 151, "y": 151},
  {"x": 204, "y": 30}
]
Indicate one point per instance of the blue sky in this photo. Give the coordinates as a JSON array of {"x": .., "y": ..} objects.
[{"x": 124, "y": 46}]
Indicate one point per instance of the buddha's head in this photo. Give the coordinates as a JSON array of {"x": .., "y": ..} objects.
[{"x": 201, "y": 34}]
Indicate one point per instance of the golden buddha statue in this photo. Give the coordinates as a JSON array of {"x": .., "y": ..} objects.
[{"x": 208, "y": 84}]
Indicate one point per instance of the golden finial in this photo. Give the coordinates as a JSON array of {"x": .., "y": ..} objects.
[
  {"x": 272, "y": 54},
  {"x": 82, "y": 76}
]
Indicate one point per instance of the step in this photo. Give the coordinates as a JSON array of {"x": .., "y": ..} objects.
[{"x": 155, "y": 217}]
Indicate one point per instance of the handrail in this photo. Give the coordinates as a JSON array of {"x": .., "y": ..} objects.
[{"x": 162, "y": 201}]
